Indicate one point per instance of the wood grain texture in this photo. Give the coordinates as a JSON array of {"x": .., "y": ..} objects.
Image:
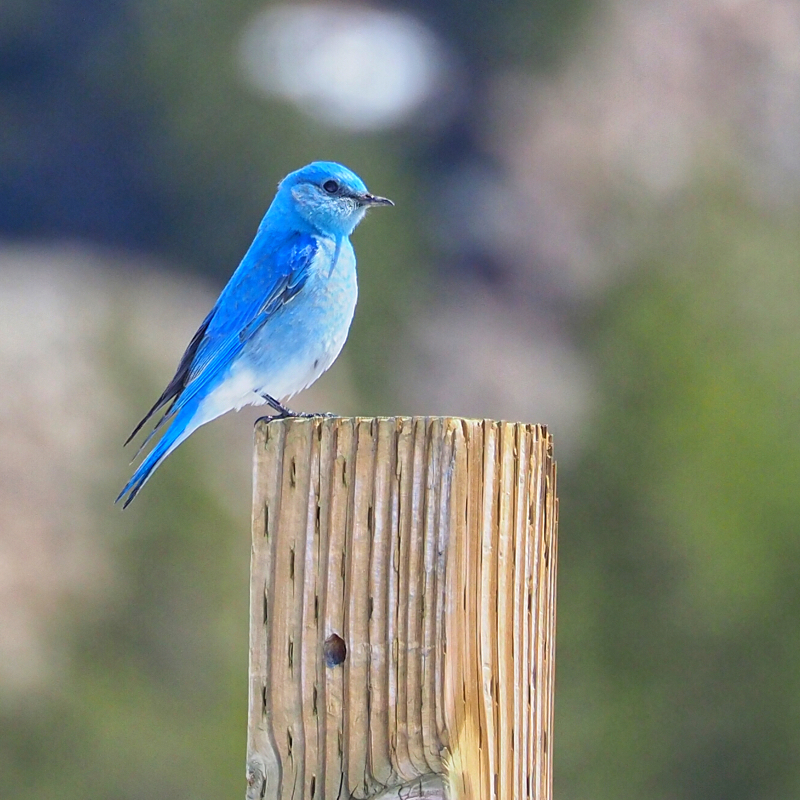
[{"x": 403, "y": 583}]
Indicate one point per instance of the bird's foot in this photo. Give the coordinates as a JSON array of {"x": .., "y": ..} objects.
[
  {"x": 310, "y": 415},
  {"x": 276, "y": 405},
  {"x": 285, "y": 413},
  {"x": 298, "y": 415}
]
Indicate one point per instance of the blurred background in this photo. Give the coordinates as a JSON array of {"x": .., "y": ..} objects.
[{"x": 596, "y": 228}]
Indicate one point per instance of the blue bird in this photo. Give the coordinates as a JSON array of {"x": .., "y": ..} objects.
[{"x": 282, "y": 319}]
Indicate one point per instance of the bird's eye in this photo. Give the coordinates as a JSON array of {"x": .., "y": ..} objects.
[{"x": 331, "y": 187}]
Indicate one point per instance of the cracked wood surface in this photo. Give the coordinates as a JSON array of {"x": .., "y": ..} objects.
[{"x": 402, "y": 607}]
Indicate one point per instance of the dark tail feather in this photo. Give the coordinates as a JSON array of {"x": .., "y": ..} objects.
[
  {"x": 160, "y": 403},
  {"x": 164, "y": 417},
  {"x": 182, "y": 425},
  {"x": 176, "y": 385}
]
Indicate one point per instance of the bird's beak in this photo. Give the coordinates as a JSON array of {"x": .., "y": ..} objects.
[{"x": 374, "y": 200}]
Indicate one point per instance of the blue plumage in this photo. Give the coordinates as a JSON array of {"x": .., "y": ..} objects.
[{"x": 283, "y": 317}]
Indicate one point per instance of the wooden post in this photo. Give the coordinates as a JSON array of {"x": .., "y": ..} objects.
[{"x": 402, "y": 610}]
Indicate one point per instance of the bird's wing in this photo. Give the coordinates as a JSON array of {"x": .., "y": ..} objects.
[{"x": 269, "y": 276}]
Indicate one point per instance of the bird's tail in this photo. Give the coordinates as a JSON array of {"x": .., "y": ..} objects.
[{"x": 185, "y": 422}]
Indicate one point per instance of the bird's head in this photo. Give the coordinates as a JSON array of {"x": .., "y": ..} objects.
[{"x": 329, "y": 197}]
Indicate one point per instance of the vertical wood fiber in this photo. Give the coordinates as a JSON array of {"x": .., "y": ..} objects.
[{"x": 427, "y": 546}]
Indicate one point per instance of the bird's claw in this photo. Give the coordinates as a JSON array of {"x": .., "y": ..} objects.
[
  {"x": 288, "y": 414},
  {"x": 304, "y": 415}
]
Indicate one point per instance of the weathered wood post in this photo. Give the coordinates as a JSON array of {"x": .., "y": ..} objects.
[{"x": 402, "y": 610}]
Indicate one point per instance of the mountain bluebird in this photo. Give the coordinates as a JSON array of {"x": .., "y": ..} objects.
[{"x": 283, "y": 317}]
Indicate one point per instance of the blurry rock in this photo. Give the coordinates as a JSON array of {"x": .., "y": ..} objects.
[
  {"x": 663, "y": 93},
  {"x": 87, "y": 342},
  {"x": 63, "y": 313}
]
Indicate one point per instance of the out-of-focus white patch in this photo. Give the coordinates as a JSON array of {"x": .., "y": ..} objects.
[{"x": 348, "y": 66}]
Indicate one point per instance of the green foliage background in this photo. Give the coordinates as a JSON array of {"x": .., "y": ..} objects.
[{"x": 678, "y": 634}]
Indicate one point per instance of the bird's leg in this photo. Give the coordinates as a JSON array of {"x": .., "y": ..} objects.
[
  {"x": 278, "y": 406},
  {"x": 284, "y": 412}
]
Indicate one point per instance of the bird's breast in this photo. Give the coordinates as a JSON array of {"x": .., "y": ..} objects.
[{"x": 304, "y": 337}]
